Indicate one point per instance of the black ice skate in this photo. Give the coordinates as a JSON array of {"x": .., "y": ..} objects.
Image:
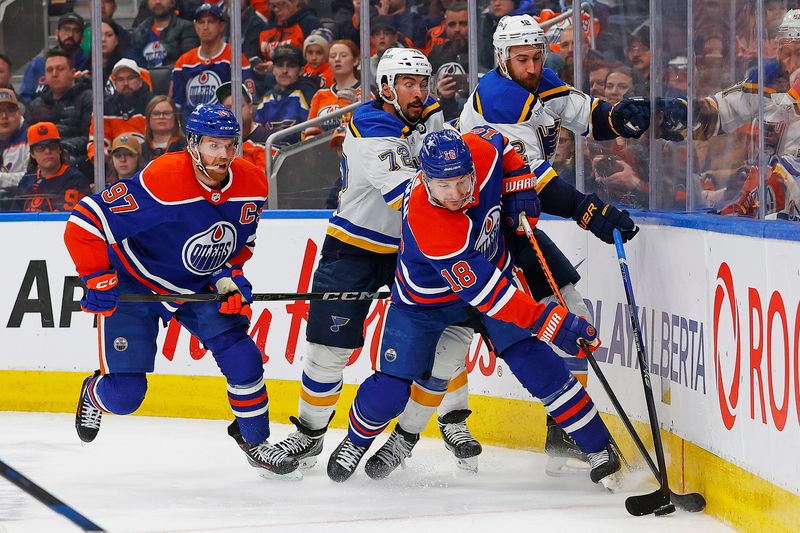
[
  {"x": 459, "y": 440},
  {"x": 392, "y": 454},
  {"x": 305, "y": 444},
  {"x": 344, "y": 460},
  {"x": 87, "y": 416},
  {"x": 271, "y": 461},
  {"x": 564, "y": 458},
  {"x": 605, "y": 464}
]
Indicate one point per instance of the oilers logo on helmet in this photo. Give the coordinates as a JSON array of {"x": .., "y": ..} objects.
[
  {"x": 487, "y": 242},
  {"x": 209, "y": 250},
  {"x": 202, "y": 88}
]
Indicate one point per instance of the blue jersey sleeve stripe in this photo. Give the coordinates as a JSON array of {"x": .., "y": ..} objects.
[{"x": 391, "y": 196}]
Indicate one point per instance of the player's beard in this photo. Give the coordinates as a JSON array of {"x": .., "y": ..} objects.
[{"x": 531, "y": 84}]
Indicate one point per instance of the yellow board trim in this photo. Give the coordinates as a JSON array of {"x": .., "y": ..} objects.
[
  {"x": 735, "y": 496},
  {"x": 360, "y": 243}
]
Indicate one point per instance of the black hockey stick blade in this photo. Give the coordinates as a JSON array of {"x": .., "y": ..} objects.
[
  {"x": 691, "y": 502},
  {"x": 258, "y": 297},
  {"x": 55, "y": 505},
  {"x": 657, "y": 502}
]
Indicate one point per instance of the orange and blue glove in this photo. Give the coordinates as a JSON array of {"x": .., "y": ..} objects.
[
  {"x": 102, "y": 292},
  {"x": 236, "y": 291},
  {"x": 559, "y": 327},
  {"x": 514, "y": 204}
]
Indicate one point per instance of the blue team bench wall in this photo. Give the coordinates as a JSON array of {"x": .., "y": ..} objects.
[{"x": 767, "y": 229}]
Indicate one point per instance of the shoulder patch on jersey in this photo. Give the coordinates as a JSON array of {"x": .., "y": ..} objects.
[
  {"x": 502, "y": 101},
  {"x": 170, "y": 178},
  {"x": 439, "y": 232},
  {"x": 370, "y": 121},
  {"x": 551, "y": 86}
]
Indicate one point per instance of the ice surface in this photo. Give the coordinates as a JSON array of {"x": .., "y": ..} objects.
[{"x": 147, "y": 474}]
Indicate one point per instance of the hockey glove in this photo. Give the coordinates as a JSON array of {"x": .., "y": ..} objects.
[
  {"x": 521, "y": 202},
  {"x": 102, "y": 292},
  {"x": 674, "y": 118},
  {"x": 601, "y": 219},
  {"x": 236, "y": 291},
  {"x": 559, "y": 327},
  {"x": 630, "y": 117}
]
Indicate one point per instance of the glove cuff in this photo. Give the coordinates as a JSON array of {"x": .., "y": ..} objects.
[
  {"x": 103, "y": 280},
  {"x": 588, "y": 208}
]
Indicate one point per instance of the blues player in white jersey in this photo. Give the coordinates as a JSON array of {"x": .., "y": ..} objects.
[
  {"x": 359, "y": 254},
  {"x": 733, "y": 107},
  {"x": 185, "y": 224},
  {"x": 453, "y": 257},
  {"x": 529, "y": 104}
]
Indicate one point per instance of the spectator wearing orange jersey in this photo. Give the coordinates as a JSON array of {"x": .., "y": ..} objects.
[
  {"x": 51, "y": 184},
  {"x": 315, "y": 52},
  {"x": 345, "y": 90},
  {"x": 254, "y": 135},
  {"x": 124, "y": 110},
  {"x": 293, "y": 22}
]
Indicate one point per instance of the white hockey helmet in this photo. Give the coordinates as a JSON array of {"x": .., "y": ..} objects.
[
  {"x": 397, "y": 61},
  {"x": 789, "y": 30},
  {"x": 516, "y": 30}
]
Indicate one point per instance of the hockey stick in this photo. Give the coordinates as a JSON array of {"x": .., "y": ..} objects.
[
  {"x": 258, "y": 297},
  {"x": 48, "y": 499},
  {"x": 693, "y": 502},
  {"x": 635, "y": 505}
]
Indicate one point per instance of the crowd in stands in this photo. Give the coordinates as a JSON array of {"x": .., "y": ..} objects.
[{"x": 301, "y": 60}]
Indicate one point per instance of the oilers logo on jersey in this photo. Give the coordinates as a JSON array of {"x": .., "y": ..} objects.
[
  {"x": 154, "y": 54},
  {"x": 202, "y": 88},
  {"x": 207, "y": 251},
  {"x": 486, "y": 242}
]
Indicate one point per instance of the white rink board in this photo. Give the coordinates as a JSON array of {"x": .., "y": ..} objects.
[{"x": 681, "y": 285}]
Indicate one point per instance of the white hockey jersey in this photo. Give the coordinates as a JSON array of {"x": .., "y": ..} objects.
[
  {"x": 738, "y": 105},
  {"x": 532, "y": 121},
  {"x": 379, "y": 159}
]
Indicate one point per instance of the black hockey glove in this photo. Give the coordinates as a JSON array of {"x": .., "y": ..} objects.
[
  {"x": 601, "y": 219},
  {"x": 674, "y": 113},
  {"x": 631, "y": 117}
]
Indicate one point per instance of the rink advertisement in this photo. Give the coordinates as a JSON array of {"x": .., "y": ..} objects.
[{"x": 720, "y": 316}]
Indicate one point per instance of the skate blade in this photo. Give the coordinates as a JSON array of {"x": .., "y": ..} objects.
[
  {"x": 307, "y": 462},
  {"x": 468, "y": 465},
  {"x": 294, "y": 475},
  {"x": 566, "y": 467},
  {"x": 612, "y": 482}
]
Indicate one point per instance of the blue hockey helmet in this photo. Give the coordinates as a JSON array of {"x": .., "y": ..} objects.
[
  {"x": 213, "y": 120},
  {"x": 445, "y": 155}
]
